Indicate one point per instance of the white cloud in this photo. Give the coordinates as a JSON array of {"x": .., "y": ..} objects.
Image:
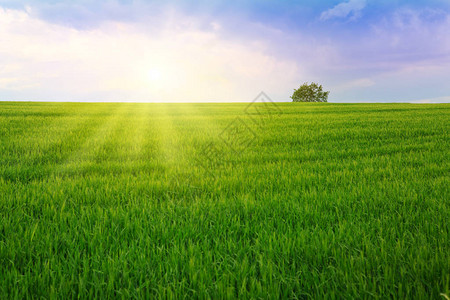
[
  {"x": 119, "y": 61},
  {"x": 355, "y": 84},
  {"x": 351, "y": 8}
]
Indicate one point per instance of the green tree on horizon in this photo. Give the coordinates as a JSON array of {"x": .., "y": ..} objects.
[{"x": 310, "y": 93}]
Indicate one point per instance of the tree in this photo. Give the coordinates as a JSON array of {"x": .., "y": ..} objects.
[{"x": 310, "y": 93}]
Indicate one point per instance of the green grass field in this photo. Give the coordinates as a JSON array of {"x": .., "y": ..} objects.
[{"x": 224, "y": 200}]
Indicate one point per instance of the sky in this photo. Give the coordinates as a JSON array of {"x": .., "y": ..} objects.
[{"x": 203, "y": 51}]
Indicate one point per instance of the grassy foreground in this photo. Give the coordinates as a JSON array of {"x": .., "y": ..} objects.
[{"x": 224, "y": 200}]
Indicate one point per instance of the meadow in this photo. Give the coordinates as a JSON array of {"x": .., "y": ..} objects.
[{"x": 288, "y": 200}]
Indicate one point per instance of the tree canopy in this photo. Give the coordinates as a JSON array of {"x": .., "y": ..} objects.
[{"x": 310, "y": 93}]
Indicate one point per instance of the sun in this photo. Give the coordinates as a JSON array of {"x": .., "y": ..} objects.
[{"x": 154, "y": 75}]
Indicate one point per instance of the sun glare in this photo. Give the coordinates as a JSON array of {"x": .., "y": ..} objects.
[{"x": 154, "y": 75}]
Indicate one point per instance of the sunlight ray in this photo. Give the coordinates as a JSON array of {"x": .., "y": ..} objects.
[{"x": 85, "y": 153}]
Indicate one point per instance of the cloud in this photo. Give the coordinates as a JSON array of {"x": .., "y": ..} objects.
[
  {"x": 121, "y": 61},
  {"x": 355, "y": 84},
  {"x": 351, "y": 8}
]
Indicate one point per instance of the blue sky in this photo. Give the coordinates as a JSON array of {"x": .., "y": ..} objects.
[{"x": 125, "y": 50}]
